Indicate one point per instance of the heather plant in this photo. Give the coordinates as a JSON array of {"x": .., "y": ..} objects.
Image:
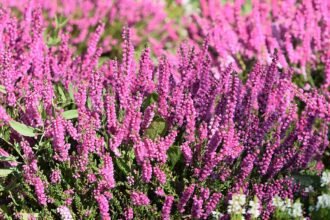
[
  {"x": 83, "y": 17},
  {"x": 83, "y": 138},
  {"x": 242, "y": 32},
  {"x": 315, "y": 198}
]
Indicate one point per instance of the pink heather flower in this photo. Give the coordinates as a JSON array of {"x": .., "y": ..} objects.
[
  {"x": 202, "y": 131},
  {"x": 68, "y": 201},
  {"x": 160, "y": 191},
  {"x": 103, "y": 206},
  {"x": 139, "y": 151},
  {"x": 144, "y": 81},
  {"x": 146, "y": 149},
  {"x": 64, "y": 212},
  {"x": 32, "y": 115},
  {"x": 55, "y": 176},
  {"x": 160, "y": 175},
  {"x": 212, "y": 203},
  {"x": 91, "y": 177},
  {"x": 71, "y": 130},
  {"x": 130, "y": 180},
  {"x": 3, "y": 115},
  {"x": 139, "y": 199},
  {"x": 108, "y": 195},
  {"x": 40, "y": 191},
  {"x": 148, "y": 115},
  {"x": 188, "y": 192},
  {"x": 163, "y": 145},
  {"x": 197, "y": 208},
  {"x": 92, "y": 44},
  {"x": 30, "y": 173},
  {"x": 197, "y": 172},
  {"x": 190, "y": 118},
  {"x": 107, "y": 172},
  {"x": 128, "y": 51},
  {"x": 163, "y": 87},
  {"x": 204, "y": 193},
  {"x": 110, "y": 113},
  {"x": 179, "y": 102},
  {"x": 212, "y": 161},
  {"x": 60, "y": 147},
  {"x": 166, "y": 210},
  {"x": 217, "y": 117},
  {"x": 146, "y": 171},
  {"x": 128, "y": 214},
  {"x": 116, "y": 141},
  {"x": 187, "y": 153},
  {"x": 96, "y": 91},
  {"x": 69, "y": 192},
  {"x": 319, "y": 167}
]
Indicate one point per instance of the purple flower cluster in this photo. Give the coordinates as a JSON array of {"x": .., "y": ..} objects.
[
  {"x": 123, "y": 137},
  {"x": 299, "y": 30},
  {"x": 139, "y": 199},
  {"x": 83, "y": 15},
  {"x": 166, "y": 210}
]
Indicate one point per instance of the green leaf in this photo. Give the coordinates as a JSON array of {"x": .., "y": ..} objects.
[
  {"x": 52, "y": 41},
  {"x": 247, "y": 7},
  {"x": 89, "y": 103},
  {"x": 306, "y": 180},
  {"x": 102, "y": 60},
  {"x": 27, "y": 216},
  {"x": 71, "y": 91},
  {"x": 121, "y": 115},
  {"x": 122, "y": 166},
  {"x": 157, "y": 128},
  {"x": 60, "y": 90},
  {"x": 3, "y": 89},
  {"x": 322, "y": 213},
  {"x": 4, "y": 210},
  {"x": 22, "y": 128},
  {"x": 152, "y": 98},
  {"x": 9, "y": 158},
  {"x": 174, "y": 155},
  {"x": 60, "y": 21},
  {"x": 5, "y": 172},
  {"x": 70, "y": 114}
]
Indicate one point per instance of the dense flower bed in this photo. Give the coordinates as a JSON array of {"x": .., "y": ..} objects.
[
  {"x": 79, "y": 18},
  {"x": 298, "y": 29},
  {"x": 156, "y": 135}
]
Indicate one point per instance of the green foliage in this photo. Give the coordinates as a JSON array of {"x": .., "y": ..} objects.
[
  {"x": 120, "y": 163},
  {"x": 157, "y": 128},
  {"x": 7, "y": 158},
  {"x": 247, "y": 7},
  {"x": 22, "y": 128},
  {"x": 51, "y": 35},
  {"x": 70, "y": 114},
  {"x": 236, "y": 217},
  {"x": 27, "y": 216},
  {"x": 174, "y": 156},
  {"x": 307, "y": 180},
  {"x": 152, "y": 98},
  {"x": 322, "y": 213},
  {"x": 174, "y": 11},
  {"x": 281, "y": 215},
  {"x": 125, "y": 166},
  {"x": 5, "y": 172},
  {"x": 3, "y": 89}
]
